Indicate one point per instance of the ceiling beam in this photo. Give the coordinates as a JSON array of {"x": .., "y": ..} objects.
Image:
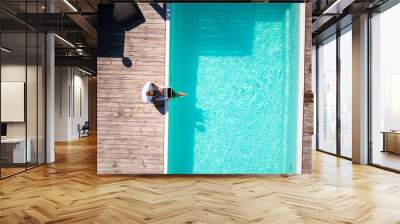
[
  {"x": 337, "y": 7},
  {"x": 81, "y": 61},
  {"x": 73, "y": 13},
  {"x": 84, "y": 24}
]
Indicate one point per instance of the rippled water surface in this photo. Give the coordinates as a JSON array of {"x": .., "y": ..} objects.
[{"x": 239, "y": 65}]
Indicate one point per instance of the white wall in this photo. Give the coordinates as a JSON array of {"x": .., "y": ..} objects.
[
  {"x": 80, "y": 111},
  {"x": 33, "y": 127},
  {"x": 71, "y": 102},
  {"x": 17, "y": 73},
  {"x": 14, "y": 72},
  {"x": 62, "y": 82}
]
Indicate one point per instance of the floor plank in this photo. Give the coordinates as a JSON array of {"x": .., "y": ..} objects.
[{"x": 70, "y": 191}]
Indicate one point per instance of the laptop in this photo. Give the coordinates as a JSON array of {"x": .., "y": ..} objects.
[
  {"x": 3, "y": 131},
  {"x": 168, "y": 93}
]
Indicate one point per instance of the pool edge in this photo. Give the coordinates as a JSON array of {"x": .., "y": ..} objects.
[
  {"x": 166, "y": 83},
  {"x": 300, "y": 107}
]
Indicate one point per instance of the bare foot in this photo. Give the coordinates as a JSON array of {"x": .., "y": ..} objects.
[{"x": 182, "y": 94}]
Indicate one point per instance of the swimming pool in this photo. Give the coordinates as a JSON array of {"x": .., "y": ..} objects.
[{"x": 239, "y": 64}]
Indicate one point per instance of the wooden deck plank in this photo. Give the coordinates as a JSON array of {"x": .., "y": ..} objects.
[{"x": 126, "y": 126}]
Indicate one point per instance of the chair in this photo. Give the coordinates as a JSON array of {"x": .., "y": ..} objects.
[{"x": 84, "y": 130}]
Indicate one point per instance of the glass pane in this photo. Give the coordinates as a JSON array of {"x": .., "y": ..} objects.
[
  {"x": 327, "y": 96},
  {"x": 386, "y": 89},
  {"x": 31, "y": 98},
  {"x": 31, "y": 85},
  {"x": 13, "y": 87},
  {"x": 22, "y": 102},
  {"x": 41, "y": 99},
  {"x": 346, "y": 94},
  {"x": 314, "y": 89}
]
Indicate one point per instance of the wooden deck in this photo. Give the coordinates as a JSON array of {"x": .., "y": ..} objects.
[
  {"x": 70, "y": 191},
  {"x": 131, "y": 133}
]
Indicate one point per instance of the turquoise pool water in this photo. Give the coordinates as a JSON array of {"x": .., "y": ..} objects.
[{"x": 239, "y": 65}]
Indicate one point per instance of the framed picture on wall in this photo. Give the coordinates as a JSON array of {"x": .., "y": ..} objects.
[{"x": 12, "y": 101}]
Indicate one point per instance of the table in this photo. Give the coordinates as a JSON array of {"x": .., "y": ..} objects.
[
  {"x": 391, "y": 141},
  {"x": 18, "y": 149}
]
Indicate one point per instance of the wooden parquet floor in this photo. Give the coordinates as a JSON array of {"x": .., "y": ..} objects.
[{"x": 69, "y": 191}]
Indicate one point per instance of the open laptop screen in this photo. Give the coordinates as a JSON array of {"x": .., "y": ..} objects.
[
  {"x": 168, "y": 93},
  {"x": 3, "y": 129}
]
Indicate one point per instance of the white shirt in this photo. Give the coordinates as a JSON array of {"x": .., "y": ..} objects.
[{"x": 148, "y": 86}]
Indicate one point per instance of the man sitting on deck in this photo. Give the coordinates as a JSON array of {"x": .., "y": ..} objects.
[{"x": 151, "y": 93}]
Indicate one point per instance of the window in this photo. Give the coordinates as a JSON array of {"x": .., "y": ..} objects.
[
  {"x": 346, "y": 93},
  {"x": 385, "y": 89},
  {"x": 327, "y": 96},
  {"x": 333, "y": 106}
]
